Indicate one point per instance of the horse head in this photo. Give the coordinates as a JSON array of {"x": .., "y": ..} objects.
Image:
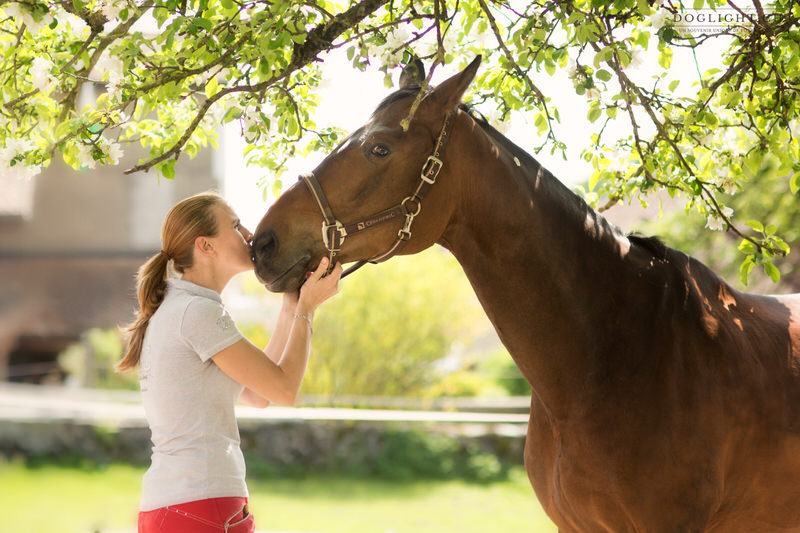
[{"x": 386, "y": 188}]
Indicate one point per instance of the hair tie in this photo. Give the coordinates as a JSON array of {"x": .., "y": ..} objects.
[{"x": 169, "y": 258}]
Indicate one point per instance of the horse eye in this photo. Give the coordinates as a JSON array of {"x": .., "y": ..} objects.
[{"x": 380, "y": 150}]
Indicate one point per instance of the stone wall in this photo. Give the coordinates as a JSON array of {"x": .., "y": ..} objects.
[{"x": 289, "y": 447}]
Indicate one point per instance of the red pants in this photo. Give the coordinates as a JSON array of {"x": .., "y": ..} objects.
[{"x": 202, "y": 516}]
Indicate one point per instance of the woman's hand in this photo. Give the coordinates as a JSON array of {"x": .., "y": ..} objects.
[{"x": 317, "y": 289}]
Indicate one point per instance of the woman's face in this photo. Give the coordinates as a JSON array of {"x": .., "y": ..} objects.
[{"x": 233, "y": 240}]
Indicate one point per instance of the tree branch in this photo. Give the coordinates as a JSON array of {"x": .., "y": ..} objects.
[{"x": 319, "y": 39}]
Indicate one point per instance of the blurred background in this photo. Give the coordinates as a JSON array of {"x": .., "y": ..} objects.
[{"x": 412, "y": 417}]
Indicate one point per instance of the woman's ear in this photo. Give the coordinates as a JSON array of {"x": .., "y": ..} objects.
[{"x": 204, "y": 246}]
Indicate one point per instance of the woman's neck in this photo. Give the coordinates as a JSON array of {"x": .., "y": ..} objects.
[{"x": 206, "y": 277}]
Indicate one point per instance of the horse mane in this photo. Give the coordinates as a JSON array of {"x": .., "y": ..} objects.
[{"x": 653, "y": 245}]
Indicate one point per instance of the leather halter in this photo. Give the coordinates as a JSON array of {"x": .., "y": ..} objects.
[{"x": 334, "y": 232}]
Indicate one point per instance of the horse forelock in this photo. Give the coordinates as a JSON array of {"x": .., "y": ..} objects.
[{"x": 396, "y": 96}]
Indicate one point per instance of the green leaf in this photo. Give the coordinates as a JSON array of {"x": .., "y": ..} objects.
[
  {"x": 746, "y": 268},
  {"x": 794, "y": 183},
  {"x": 698, "y": 4},
  {"x": 211, "y": 87},
  {"x": 603, "y": 74},
  {"x": 747, "y": 247},
  {"x": 772, "y": 271},
  {"x": 594, "y": 114},
  {"x": 665, "y": 57},
  {"x": 756, "y": 225},
  {"x": 674, "y": 84},
  {"x": 168, "y": 169}
]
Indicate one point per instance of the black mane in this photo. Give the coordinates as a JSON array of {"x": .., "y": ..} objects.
[{"x": 654, "y": 245}]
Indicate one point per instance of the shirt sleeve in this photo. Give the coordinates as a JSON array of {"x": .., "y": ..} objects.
[{"x": 207, "y": 328}]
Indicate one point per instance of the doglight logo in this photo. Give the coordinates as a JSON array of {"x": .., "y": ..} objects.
[{"x": 722, "y": 19}]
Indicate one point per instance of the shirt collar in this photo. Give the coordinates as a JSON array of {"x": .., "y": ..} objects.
[{"x": 193, "y": 288}]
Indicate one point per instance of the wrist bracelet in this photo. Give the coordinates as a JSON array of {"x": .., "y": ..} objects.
[{"x": 307, "y": 319}]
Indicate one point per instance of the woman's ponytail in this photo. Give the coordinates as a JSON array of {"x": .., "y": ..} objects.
[
  {"x": 190, "y": 218},
  {"x": 151, "y": 286}
]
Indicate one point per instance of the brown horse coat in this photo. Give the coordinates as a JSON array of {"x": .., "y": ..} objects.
[{"x": 663, "y": 399}]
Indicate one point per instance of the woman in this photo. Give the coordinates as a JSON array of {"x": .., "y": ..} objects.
[{"x": 194, "y": 364}]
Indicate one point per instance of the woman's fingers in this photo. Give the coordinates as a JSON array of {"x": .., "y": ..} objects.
[
  {"x": 320, "y": 271},
  {"x": 317, "y": 289}
]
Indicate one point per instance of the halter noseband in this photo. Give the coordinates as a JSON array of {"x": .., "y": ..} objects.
[{"x": 334, "y": 232}]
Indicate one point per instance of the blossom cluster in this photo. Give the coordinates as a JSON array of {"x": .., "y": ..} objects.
[{"x": 13, "y": 159}]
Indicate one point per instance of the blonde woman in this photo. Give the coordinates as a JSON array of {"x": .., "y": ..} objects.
[{"x": 194, "y": 365}]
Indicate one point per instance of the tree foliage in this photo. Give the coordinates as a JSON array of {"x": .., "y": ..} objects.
[
  {"x": 173, "y": 71},
  {"x": 383, "y": 334}
]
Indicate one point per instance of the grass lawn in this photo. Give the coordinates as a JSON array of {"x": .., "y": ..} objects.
[{"x": 57, "y": 499}]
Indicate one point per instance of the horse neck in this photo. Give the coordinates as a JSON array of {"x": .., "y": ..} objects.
[{"x": 547, "y": 269}]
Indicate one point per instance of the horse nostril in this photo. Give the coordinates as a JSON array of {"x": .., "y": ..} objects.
[{"x": 265, "y": 245}]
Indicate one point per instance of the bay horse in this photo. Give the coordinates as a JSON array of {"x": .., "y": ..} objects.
[{"x": 664, "y": 400}]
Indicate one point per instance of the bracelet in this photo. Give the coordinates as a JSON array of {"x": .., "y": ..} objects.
[{"x": 307, "y": 319}]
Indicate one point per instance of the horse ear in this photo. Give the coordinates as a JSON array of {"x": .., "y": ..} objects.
[
  {"x": 447, "y": 94},
  {"x": 413, "y": 74}
]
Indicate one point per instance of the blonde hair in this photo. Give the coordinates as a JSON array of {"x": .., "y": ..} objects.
[{"x": 186, "y": 221}]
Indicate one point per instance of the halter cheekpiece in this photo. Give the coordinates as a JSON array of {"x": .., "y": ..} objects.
[{"x": 334, "y": 232}]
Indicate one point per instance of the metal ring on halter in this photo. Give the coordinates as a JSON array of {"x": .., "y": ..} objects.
[{"x": 419, "y": 205}]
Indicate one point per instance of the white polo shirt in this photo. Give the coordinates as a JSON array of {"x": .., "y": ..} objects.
[{"x": 189, "y": 402}]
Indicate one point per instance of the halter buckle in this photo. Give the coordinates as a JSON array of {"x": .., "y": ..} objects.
[
  {"x": 433, "y": 165},
  {"x": 326, "y": 235}
]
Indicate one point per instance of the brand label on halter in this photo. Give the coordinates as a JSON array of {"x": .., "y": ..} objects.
[{"x": 376, "y": 220}]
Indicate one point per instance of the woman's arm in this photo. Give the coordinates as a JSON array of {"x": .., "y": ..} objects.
[
  {"x": 279, "y": 381},
  {"x": 275, "y": 346}
]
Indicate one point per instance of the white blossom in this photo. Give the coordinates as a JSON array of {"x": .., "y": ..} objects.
[
  {"x": 74, "y": 24},
  {"x": 85, "y": 156},
  {"x": 637, "y": 59},
  {"x": 114, "y": 88},
  {"x": 16, "y": 11},
  {"x": 794, "y": 128},
  {"x": 109, "y": 68},
  {"x": 495, "y": 118},
  {"x": 658, "y": 19},
  {"x": 251, "y": 124},
  {"x": 14, "y": 147},
  {"x": 732, "y": 140},
  {"x": 111, "y": 8},
  {"x": 13, "y": 150},
  {"x": 572, "y": 68},
  {"x": 728, "y": 182},
  {"x": 113, "y": 152},
  {"x": 478, "y": 37},
  {"x": 397, "y": 37},
  {"x": 714, "y": 223},
  {"x": 40, "y": 72},
  {"x": 618, "y": 161},
  {"x": 427, "y": 46},
  {"x": 450, "y": 41}
]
